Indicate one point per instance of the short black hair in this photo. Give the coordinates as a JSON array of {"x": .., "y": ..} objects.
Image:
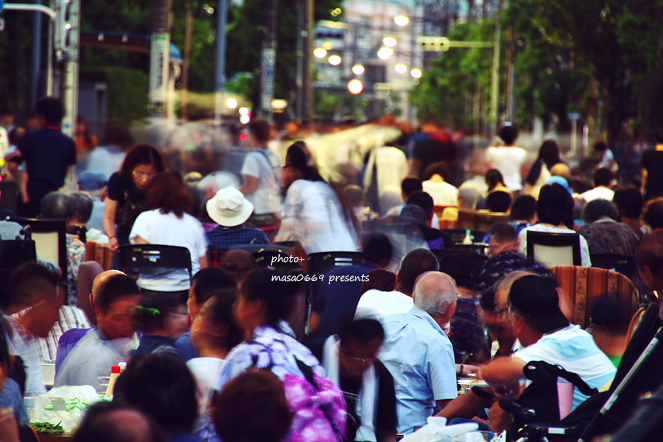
[
  {"x": 410, "y": 185},
  {"x": 115, "y": 287},
  {"x": 555, "y": 205},
  {"x": 252, "y": 407},
  {"x": 649, "y": 253},
  {"x": 508, "y": 133},
  {"x": 599, "y": 208},
  {"x": 218, "y": 310},
  {"x": 377, "y": 247},
  {"x": 600, "y": 146},
  {"x": 28, "y": 280},
  {"x": 523, "y": 207},
  {"x": 51, "y": 109},
  {"x": 415, "y": 263},
  {"x": 653, "y": 213},
  {"x": 275, "y": 295},
  {"x": 493, "y": 178},
  {"x": 97, "y": 426},
  {"x": 212, "y": 281},
  {"x": 161, "y": 386},
  {"x": 603, "y": 177},
  {"x": 423, "y": 200},
  {"x": 260, "y": 130},
  {"x": 81, "y": 205},
  {"x": 498, "y": 201},
  {"x": 56, "y": 205},
  {"x": 150, "y": 314},
  {"x": 503, "y": 232},
  {"x": 439, "y": 169},
  {"x": 361, "y": 331},
  {"x": 629, "y": 201}
]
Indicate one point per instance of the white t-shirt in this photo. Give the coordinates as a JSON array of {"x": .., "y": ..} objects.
[
  {"x": 313, "y": 215},
  {"x": 508, "y": 161},
  {"x": 584, "y": 248},
  {"x": 206, "y": 372},
  {"x": 376, "y": 304},
  {"x": 157, "y": 228},
  {"x": 575, "y": 351},
  {"x": 443, "y": 193},
  {"x": 598, "y": 193},
  {"x": 264, "y": 165}
]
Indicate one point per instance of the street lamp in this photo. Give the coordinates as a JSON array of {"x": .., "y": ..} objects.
[
  {"x": 231, "y": 103},
  {"x": 401, "y": 20},
  {"x": 355, "y": 86},
  {"x": 400, "y": 68},
  {"x": 334, "y": 60},
  {"x": 320, "y": 53},
  {"x": 357, "y": 69},
  {"x": 389, "y": 42},
  {"x": 416, "y": 73}
]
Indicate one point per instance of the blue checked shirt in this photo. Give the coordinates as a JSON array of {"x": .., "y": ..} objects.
[{"x": 226, "y": 237}]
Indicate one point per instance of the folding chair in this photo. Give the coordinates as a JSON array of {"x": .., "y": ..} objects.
[
  {"x": 50, "y": 239},
  {"x": 554, "y": 249},
  {"x": 623, "y": 264},
  {"x": 154, "y": 259}
]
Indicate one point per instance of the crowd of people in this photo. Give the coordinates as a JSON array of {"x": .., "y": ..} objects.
[{"x": 231, "y": 353}]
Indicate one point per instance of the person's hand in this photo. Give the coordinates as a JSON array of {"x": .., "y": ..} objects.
[
  {"x": 113, "y": 244},
  {"x": 498, "y": 419},
  {"x": 8, "y": 426},
  {"x": 512, "y": 389},
  {"x": 467, "y": 369}
]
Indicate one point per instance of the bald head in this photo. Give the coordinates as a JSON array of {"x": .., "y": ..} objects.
[
  {"x": 561, "y": 169},
  {"x": 435, "y": 293},
  {"x": 100, "y": 282},
  {"x": 112, "y": 422}
]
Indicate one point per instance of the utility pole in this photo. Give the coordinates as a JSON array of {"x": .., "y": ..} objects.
[
  {"x": 159, "y": 58},
  {"x": 495, "y": 83},
  {"x": 304, "y": 50},
  {"x": 71, "y": 47},
  {"x": 220, "y": 77},
  {"x": 36, "y": 57},
  {"x": 268, "y": 59}
]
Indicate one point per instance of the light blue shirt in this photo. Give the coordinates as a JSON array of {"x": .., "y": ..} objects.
[{"x": 420, "y": 357}]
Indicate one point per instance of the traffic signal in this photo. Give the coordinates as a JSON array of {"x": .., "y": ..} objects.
[
  {"x": 66, "y": 22},
  {"x": 433, "y": 44}
]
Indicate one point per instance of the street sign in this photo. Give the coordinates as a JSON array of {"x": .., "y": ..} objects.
[
  {"x": 574, "y": 116},
  {"x": 159, "y": 73},
  {"x": 267, "y": 79},
  {"x": 433, "y": 44}
]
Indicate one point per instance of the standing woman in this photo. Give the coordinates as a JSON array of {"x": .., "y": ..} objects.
[
  {"x": 167, "y": 221},
  {"x": 540, "y": 171},
  {"x": 312, "y": 212},
  {"x": 126, "y": 192}
]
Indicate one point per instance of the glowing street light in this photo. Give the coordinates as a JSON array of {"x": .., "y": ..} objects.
[
  {"x": 320, "y": 53},
  {"x": 334, "y": 60},
  {"x": 355, "y": 86},
  {"x": 385, "y": 53},
  {"x": 416, "y": 73},
  {"x": 231, "y": 103},
  {"x": 357, "y": 69},
  {"x": 389, "y": 42},
  {"x": 401, "y": 20},
  {"x": 400, "y": 68}
]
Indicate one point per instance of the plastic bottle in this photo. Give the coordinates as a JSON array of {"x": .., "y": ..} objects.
[
  {"x": 468, "y": 238},
  {"x": 115, "y": 373}
]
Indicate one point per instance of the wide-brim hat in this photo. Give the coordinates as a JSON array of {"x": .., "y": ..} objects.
[
  {"x": 537, "y": 300},
  {"x": 229, "y": 208}
]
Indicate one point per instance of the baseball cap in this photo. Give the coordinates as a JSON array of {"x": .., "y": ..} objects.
[
  {"x": 537, "y": 300},
  {"x": 92, "y": 180}
]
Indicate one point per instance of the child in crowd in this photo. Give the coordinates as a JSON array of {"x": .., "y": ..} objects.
[{"x": 162, "y": 319}]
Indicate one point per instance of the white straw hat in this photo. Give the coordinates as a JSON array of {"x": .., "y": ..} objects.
[{"x": 229, "y": 208}]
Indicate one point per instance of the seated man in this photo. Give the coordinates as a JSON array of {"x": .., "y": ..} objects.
[
  {"x": 82, "y": 206},
  {"x": 206, "y": 283},
  {"x": 113, "y": 296},
  {"x": 547, "y": 336},
  {"x": 419, "y": 355},
  {"x": 341, "y": 289},
  {"x": 376, "y": 304},
  {"x": 649, "y": 258},
  {"x": 602, "y": 186},
  {"x": 34, "y": 300},
  {"x": 230, "y": 210},
  {"x": 350, "y": 361},
  {"x": 505, "y": 258}
]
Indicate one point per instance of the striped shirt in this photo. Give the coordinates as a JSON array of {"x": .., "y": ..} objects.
[
  {"x": 575, "y": 351},
  {"x": 70, "y": 317}
]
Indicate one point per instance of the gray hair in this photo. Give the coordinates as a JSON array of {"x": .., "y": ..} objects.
[
  {"x": 469, "y": 196},
  {"x": 435, "y": 292}
]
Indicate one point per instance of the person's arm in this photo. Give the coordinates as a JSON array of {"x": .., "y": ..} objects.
[
  {"x": 466, "y": 405},
  {"x": 250, "y": 185},
  {"x": 109, "y": 223},
  {"x": 140, "y": 240},
  {"x": 8, "y": 426},
  {"x": 502, "y": 370},
  {"x": 443, "y": 403},
  {"x": 203, "y": 261},
  {"x": 314, "y": 322}
]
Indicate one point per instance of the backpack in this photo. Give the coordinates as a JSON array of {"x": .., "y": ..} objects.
[{"x": 318, "y": 405}]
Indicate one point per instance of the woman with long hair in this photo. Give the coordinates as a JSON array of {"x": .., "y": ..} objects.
[
  {"x": 540, "y": 171},
  {"x": 167, "y": 221},
  {"x": 313, "y": 212},
  {"x": 126, "y": 192}
]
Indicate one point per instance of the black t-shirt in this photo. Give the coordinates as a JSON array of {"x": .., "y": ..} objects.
[
  {"x": 386, "y": 420},
  {"x": 123, "y": 192},
  {"x": 47, "y": 154},
  {"x": 652, "y": 162}
]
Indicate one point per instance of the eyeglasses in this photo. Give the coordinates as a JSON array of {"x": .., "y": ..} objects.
[
  {"x": 142, "y": 175},
  {"x": 354, "y": 359},
  {"x": 500, "y": 312}
]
